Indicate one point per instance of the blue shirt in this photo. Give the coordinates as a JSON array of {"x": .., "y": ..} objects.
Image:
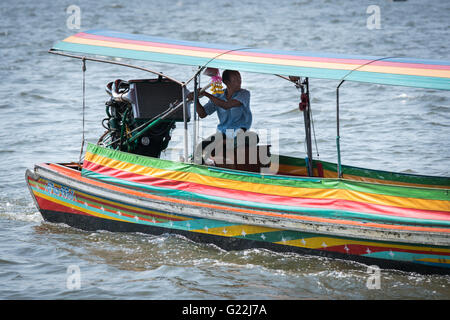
[{"x": 233, "y": 118}]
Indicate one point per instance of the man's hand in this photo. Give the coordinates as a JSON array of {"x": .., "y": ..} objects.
[{"x": 190, "y": 96}]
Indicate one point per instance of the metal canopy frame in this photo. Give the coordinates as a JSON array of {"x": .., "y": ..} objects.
[{"x": 195, "y": 78}]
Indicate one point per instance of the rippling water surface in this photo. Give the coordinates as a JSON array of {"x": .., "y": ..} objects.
[{"x": 382, "y": 127}]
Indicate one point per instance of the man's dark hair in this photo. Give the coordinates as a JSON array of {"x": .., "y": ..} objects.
[{"x": 226, "y": 75}]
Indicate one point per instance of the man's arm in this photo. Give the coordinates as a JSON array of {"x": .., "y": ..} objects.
[
  {"x": 200, "y": 110},
  {"x": 221, "y": 103}
]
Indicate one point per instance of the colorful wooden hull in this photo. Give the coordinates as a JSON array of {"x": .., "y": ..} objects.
[{"x": 388, "y": 225}]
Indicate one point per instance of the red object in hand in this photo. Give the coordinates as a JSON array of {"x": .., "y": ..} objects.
[{"x": 304, "y": 102}]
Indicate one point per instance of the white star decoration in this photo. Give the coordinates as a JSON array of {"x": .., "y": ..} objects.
[
  {"x": 263, "y": 237},
  {"x": 243, "y": 233},
  {"x": 303, "y": 241},
  {"x": 206, "y": 228},
  {"x": 368, "y": 251},
  {"x": 224, "y": 231},
  {"x": 346, "y": 248},
  {"x": 324, "y": 244},
  {"x": 391, "y": 253}
]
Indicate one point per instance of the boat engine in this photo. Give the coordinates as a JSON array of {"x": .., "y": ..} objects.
[{"x": 132, "y": 106}]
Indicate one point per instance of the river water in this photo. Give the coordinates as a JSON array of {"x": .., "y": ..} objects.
[{"x": 382, "y": 127}]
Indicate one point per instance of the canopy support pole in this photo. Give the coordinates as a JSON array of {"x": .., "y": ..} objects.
[
  {"x": 194, "y": 115},
  {"x": 83, "y": 68},
  {"x": 185, "y": 129},
  {"x": 338, "y": 137},
  {"x": 307, "y": 120}
]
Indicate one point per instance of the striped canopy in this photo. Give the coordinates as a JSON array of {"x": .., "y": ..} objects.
[{"x": 410, "y": 72}]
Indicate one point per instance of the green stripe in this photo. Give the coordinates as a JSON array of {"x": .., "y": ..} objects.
[
  {"x": 390, "y": 176},
  {"x": 313, "y": 183},
  {"x": 318, "y": 212},
  {"x": 370, "y": 173},
  {"x": 407, "y": 256}
]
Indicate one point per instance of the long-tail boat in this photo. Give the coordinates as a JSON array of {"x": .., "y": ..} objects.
[{"x": 285, "y": 204}]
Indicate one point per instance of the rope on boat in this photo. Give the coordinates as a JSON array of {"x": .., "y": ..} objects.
[
  {"x": 312, "y": 121},
  {"x": 314, "y": 133}
]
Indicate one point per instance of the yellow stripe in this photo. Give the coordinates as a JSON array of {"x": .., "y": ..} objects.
[
  {"x": 434, "y": 260},
  {"x": 415, "y": 203},
  {"x": 233, "y": 231},
  {"x": 318, "y": 242},
  {"x": 243, "y": 58},
  {"x": 407, "y": 71}
]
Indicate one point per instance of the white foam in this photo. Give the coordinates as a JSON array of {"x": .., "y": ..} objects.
[{"x": 22, "y": 216}]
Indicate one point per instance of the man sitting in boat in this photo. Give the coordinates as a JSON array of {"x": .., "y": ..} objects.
[{"x": 233, "y": 111}]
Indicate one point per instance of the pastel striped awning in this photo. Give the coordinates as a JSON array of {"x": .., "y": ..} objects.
[{"x": 387, "y": 70}]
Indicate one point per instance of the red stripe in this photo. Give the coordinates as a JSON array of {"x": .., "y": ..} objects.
[
  {"x": 45, "y": 204},
  {"x": 337, "y": 204},
  {"x": 265, "y": 55}
]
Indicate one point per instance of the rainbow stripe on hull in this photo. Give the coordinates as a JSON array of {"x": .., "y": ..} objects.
[{"x": 118, "y": 202}]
